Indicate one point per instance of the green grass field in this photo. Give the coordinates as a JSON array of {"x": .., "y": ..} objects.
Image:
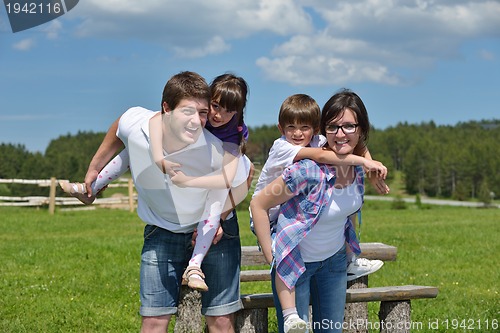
[{"x": 78, "y": 271}]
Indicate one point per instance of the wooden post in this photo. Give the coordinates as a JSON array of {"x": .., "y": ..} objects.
[
  {"x": 131, "y": 195},
  {"x": 52, "y": 195}
]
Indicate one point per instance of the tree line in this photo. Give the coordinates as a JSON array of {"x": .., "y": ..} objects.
[{"x": 460, "y": 162}]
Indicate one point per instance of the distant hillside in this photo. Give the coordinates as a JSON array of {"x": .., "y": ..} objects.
[{"x": 460, "y": 162}]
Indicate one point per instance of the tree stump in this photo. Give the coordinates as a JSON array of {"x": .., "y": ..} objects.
[
  {"x": 189, "y": 318},
  {"x": 356, "y": 314},
  {"x": 251, "y": 321},
  {"x": 395, "y": 317}
]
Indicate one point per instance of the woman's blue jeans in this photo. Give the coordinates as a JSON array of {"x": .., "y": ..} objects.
[{"x": 323, "y": 285}]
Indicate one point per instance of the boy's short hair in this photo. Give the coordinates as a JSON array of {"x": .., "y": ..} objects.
[
  {"x": 185, "y": 85},
  {"x": 300, "y": 109}
]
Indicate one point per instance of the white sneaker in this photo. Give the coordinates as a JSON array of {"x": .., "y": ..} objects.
[
  {"x": 361, "y": 267},
  {"x": 294, "y": 324}
]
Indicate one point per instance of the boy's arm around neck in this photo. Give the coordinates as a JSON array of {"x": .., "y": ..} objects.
[{"x": 327, "y": 156}]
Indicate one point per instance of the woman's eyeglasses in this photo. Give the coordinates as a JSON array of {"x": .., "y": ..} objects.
[{"x": 346, "y": 128}]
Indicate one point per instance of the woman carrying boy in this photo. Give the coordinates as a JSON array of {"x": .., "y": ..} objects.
[{"x": 317, "y": 201}]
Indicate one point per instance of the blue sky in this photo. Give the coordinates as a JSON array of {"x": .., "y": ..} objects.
[{"x": 410, "y": 60}]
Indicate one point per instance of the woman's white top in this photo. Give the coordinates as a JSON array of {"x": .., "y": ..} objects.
[{"x": 327, "y": 236}]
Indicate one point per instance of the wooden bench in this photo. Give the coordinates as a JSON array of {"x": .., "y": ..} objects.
[
  {"x": 394, "y": 313},
  {"x": 253, "y": 318},
  {"x": 251, "y": 256}
]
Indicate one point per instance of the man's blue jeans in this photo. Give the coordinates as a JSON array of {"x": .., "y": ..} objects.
[{"x": 164, "y": 257}]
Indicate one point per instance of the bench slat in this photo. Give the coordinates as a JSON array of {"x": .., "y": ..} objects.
[
  {"x": 395, "y": 293},
  {"x": 255, "y": 275},
  {"x": 378, "y": 251},
  {"x": 383, "y": 294},
  {"x": 251, "y": 256}
]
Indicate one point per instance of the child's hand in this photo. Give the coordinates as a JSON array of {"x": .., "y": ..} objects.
[
  {"x": 218, "y": 235},
  {"x": 378, "y": 183},
  {"x": 180, "y": 179},
  {"x": 268, "y": 255},
  {"x": 167, "y": 167},
  {"x": 269, "y": 260},
  {"x": 375, "y": 167},
  {"x": 193, "y": 238},
  {"x": 90, "y": 177}
]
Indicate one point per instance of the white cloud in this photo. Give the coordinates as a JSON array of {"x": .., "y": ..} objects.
[
  {"x": 486, "y": 55},
  {"x": 191, "y": 27},
  {"x": 52, "y": 29},
  {"x": 321, "y": 70},
  {"x": 374, "y": 40},
  {"x": 216, "y": 45},
  {"x": 283, "y": 17},
  {"x": 322, "y": 59},
  {"x": 385, "y": 41},
  {"x": 24, "y": 44}
]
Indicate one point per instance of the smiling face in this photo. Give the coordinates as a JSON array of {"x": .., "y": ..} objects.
[
  {"x": 297, "y": 134},
  {"x": 340, "y": 142},
  {"x": 183, "y": 125},
  {"x": 219, "y": 115}
]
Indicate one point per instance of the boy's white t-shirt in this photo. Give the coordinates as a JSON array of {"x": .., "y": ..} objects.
[{"x": 281, "y": 156}]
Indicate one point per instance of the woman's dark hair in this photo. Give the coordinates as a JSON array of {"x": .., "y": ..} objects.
[{"x": 336, "y": 106}]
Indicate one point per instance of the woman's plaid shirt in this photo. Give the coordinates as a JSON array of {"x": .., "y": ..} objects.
[{"x": 312, "y": 184}]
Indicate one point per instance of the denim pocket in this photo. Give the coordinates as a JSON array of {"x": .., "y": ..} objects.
[
  {"x": 231, "y": 228},
  {"x": 149, "y": 230}
]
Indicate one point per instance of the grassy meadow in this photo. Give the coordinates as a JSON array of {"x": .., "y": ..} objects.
[{"x": 79, "y": 271}]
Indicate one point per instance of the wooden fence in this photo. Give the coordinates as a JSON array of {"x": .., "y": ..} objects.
[{"x": 52, "y": 201}]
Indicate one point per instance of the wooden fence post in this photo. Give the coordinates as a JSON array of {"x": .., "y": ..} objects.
[
  {"x": 52, "y": 195},
  {"x": 131, "y": 195}
]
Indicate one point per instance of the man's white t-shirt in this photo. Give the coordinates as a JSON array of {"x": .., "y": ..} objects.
[{"x": 160, "y": 202}]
